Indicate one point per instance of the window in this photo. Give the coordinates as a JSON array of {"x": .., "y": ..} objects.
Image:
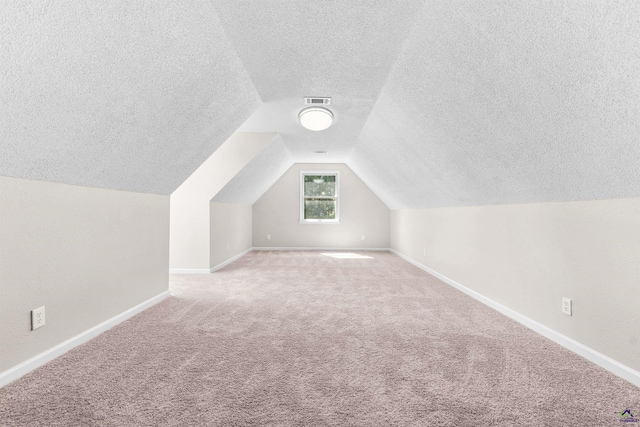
[{"x": 319, "y": 192}]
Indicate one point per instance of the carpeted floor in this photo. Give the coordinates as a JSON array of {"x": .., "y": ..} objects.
[{"x": 306, "y": 339}]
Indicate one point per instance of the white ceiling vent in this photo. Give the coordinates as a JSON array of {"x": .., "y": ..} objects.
[
  {"x": 316, "y": 100},
  {"x": 319, "y": 151}
]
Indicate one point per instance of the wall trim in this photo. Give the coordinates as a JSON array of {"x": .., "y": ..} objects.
[
  {"x": 189, "y": 271},
  {"x": 29, "y": 365},
  {"x": 580, "y": 349},
  {"x": 299, "y": 248},
  {"x": 263, "y": 248},
  {"x": 229, "y": 261}
]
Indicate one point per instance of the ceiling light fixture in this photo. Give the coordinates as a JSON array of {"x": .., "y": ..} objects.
[{"x": 316, "y": 118}]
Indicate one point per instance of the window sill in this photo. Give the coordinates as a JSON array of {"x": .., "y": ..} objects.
[{"x": 304, "y": 221}]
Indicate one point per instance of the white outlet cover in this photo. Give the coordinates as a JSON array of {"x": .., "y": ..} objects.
[
  {"x": 37, "y": 318},
  {"x": 566, "y": 306}
]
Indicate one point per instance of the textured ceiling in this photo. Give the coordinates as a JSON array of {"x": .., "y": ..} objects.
[
  {"x": 258, "y": 175},
  {"x": 436, "y": 103},
  {"x": 118, "y": 94},
  {"x": 509, "y": 102},
  {"x": 339, "y": 49}
]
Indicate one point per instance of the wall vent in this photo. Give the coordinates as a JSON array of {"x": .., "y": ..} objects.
[
  {"x": 316, "y": 100},
  {"x": 319, "y": 151}
]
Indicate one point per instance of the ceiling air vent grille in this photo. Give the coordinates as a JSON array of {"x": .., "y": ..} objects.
[{"x": 316, "y": 100}]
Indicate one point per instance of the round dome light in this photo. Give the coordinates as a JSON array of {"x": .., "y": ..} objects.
[{"x": 316, "y": 118}]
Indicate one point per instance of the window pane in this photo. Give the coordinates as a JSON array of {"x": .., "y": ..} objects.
[
  {"x": 320, "y": 209},
  {"x": 320, "y": 185}
]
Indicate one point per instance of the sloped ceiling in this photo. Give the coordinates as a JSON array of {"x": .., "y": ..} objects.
[
  {"x": 436, "y": 103},
  {"x": 258, "y": 175},
  {"x": 509, "y": 102},
  {"x": 118, "y": 94}
]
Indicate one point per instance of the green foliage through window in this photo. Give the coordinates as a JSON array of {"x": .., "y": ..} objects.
[
  {"x": 320, "y": 199},
  {"x": 319, "y": 209},
  {"x": 319, "y": 185}
]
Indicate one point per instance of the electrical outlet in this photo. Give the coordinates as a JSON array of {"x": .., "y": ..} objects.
[
  {"x": 37, "y": 318},
  {"x": 424, "y": 252},
  {"x": 268, "y": 236},
  {"x": 228, "y": 246},
  {"x": 566, "y": 306},
  {"x": 363, "y": 237}
]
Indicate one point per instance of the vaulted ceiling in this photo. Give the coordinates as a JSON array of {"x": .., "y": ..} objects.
[{"x": 437, "y": 103}]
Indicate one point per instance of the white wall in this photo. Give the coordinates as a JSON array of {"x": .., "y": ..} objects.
[
  {"x": 277, "y": 214},
  {"x": 230, "y": 231},
  {"x": 86, "y": 254},
  {"x": 190, "y": 221},
  {"x": 527, "y": 257}
]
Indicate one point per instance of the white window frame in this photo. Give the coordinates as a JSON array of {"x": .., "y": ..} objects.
[{"x": 337, "y": 197}]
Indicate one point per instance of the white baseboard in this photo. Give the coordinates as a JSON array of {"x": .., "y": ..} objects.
[
  {"x": 298, "y": 248},
  {"x": 189, "y": 271},
  {"x": 29, "y": 365},
  {"x": 208, "y": 270},
  {"x": 588, "y": 353},
  {"x": 274, "y": 248},
  {"x": 230, "y": 260}
]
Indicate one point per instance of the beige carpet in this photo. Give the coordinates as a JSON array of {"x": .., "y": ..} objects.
[{"x": 307, "y": 339}]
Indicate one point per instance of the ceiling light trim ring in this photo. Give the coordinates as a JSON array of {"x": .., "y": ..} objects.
[{"x": 315, "y": 118}]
